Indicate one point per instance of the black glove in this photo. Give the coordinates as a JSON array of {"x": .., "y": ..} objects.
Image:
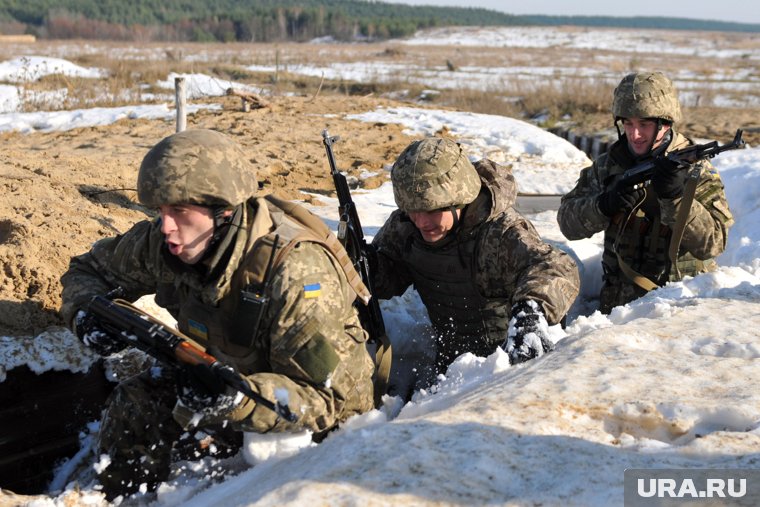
[
  {"x": 528, "y": 334},
  {"x": 92, "y": 335},
  {"x": 668, "y": 179},
  {"x": 619, "y": 198},
  {"x": 204, "y": 392}
]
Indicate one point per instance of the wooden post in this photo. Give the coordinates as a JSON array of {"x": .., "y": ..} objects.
[
  {"x": 180, "y": 102},
  {"x": 277, "y": 66}
]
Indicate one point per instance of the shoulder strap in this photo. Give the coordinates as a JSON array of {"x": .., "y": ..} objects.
[
  {"x": 321, "y": 234},
  {"x": 690, "y": 189}
]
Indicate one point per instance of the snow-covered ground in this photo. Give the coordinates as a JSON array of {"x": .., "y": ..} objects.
[
  {"x": 669, "y": 381},
  {"x": 720, "y": 69}
]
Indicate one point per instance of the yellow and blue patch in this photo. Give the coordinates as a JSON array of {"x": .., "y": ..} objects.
[
  {"x": 197, "y": 329},
  {"x": 312, "y": 290}
]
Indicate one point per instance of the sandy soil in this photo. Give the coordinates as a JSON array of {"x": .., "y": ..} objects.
[{"x": 64, "y": 190}]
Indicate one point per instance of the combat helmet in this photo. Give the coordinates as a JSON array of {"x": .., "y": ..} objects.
[
  {"x": 646, "y": 95},
  {"x": 432, "y": 174},
  {"x": 197, "y": 166}
]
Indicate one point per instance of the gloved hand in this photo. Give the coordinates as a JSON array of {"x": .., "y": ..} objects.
[
  {"x": 619, "y": 198},
  {"x": 91, "y": 334},
  {"x": 203, "y": 392},
  {"x": 668, "y": 179},
  {"x": 528, "y": 333}
]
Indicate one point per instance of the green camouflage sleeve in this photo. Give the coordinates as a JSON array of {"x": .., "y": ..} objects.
[
  {"x": 126, "y": 261},
  {"x": 578, "y": 215},
  {"x": 390, "y": 276},
  {"x": 709, "y": 217},
  {"x": 317, "y": 348},
  {"x": 516, "y": 263}
]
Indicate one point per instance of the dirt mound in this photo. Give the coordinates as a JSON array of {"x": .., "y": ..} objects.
[{"x": 65, "y": 190}]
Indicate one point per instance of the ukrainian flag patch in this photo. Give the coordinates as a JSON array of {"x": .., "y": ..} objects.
[
  {"x": 197, "y": 329},
  {"x": 312, "y": 290}
]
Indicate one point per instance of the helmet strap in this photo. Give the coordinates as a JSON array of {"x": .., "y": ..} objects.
[
  {"x": 222, "y": 222},
  {"x": 617, "y": 127},
  {"x": 455, "y": 216}
]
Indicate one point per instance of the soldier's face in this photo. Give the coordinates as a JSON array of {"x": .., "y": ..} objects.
[
  {"x": 640, "y": 132},
  {"x": 433, "y": 225},
  {"x": 187, "y": 230}
]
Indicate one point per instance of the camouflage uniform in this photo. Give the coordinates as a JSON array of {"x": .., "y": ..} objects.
[
  {"x": 470, "y": 279},
  {"x": 309, "y": 342},
  {"x": 644, "y": 241}
]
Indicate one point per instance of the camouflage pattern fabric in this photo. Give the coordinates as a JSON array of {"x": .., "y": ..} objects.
[
  {"x": 704, "y": 238},
  {"x": 511, "y": 262},
  {"x": 433, "y": 173},
  {"x": 201, "y": 167},
  {"x": 310, "y": 344},
  {"x": 646, "y": 95}
]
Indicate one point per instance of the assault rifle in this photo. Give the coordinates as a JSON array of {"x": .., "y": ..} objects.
[
  {"x": 642, "y": 172},
  {"x": 123, "y": 321},
  {"x": 362, "y": 255}
]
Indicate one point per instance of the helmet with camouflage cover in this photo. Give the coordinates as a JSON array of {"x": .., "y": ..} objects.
[
  {"x": 201, "y": 167},
  {"x": 646, "y": 95},
  {"x": 433, "y": 173}
]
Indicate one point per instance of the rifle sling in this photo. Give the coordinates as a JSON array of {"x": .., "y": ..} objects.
[
  {"x": 383, "y": 357},
  {"x": 679, "y": 227},
  {"x": 689, "y": 191}
]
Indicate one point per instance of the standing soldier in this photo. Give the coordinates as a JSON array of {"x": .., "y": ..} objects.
[
  {"x": 257, "y": 281},
  {"x": 638, "y": 223},
  {"x": 484, "y": 275}
]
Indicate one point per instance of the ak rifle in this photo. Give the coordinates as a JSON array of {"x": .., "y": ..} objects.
[
  {"x": 132, "y": 326},
  {"x": 351, "y": 236},
  {"x": 683, "y": 158}
]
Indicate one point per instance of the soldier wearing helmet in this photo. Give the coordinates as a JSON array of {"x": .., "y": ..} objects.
[
  {"x": 255, "y": 280},
  {"x": 481, "y": 269},
  {"x": 638, "y": 222}
]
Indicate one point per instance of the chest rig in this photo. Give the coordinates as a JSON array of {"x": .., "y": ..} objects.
[
  {"x": 235, "y": 329},
  {"x": 464, "y": 319}
]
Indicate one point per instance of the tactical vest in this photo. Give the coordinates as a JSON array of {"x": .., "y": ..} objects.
[
  {"x": 231, "y": 330},
  {"x": 642, "y": 242},
  {"x": 464, "y": 320}
]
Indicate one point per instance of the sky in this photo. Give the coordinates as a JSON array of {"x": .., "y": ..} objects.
[
  {"x": 744, "y": 12},
  {"x": 667, "y": 381}
]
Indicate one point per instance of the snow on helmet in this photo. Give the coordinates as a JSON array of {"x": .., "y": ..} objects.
[
  {"x": 646, "y": 95},
  {"x": 433, "y": 173},
  {"x": 198, "y": 166}
]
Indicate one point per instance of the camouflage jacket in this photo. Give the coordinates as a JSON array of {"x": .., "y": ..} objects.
[
  {"x": 643, "y": 243},
  {"x": 511, "y": 263},
  {"x": 309, "y": 342}
]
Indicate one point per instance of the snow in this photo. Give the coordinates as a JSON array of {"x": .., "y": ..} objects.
[
  {"x": 667, "y": 381},
  {"x": 201, "y": 85},
  {"x": 32, "y": 68}
]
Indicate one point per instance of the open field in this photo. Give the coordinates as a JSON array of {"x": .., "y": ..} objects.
[{"x": 550, "y": 75}]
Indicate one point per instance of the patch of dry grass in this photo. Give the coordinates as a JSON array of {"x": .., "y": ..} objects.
[{"x": 553, "y": 84}]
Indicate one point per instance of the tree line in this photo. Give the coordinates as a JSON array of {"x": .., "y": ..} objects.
[
  {"x": 235, "y": 20},
  {"x": 276, "y": 20}
]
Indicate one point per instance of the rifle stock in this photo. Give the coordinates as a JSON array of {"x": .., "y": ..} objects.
[
  {"x": 123, "y": 321},
  {"x": 642, "y": 172}
]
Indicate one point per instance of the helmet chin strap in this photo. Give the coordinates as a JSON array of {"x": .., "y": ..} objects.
[
  {"x": 455, "y": 216},
  {"x": 222, "y": 221},
  {"x": 656, "y": 133}
]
